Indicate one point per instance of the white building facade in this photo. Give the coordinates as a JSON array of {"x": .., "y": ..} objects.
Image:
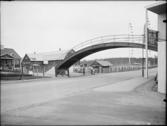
[{"x": 160, "y": 9}]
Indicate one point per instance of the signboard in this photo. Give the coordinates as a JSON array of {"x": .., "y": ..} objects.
[
  {"x": 152, "y": 37},
  {"x": 45, "y": 62},
  {"x": 26, "y": 60}
]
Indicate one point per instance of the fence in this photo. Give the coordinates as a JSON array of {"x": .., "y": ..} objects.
[{"x": 111, "y": 69}]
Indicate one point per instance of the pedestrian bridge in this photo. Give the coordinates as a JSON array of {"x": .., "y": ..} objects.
[{"x": 99, "y": 44}]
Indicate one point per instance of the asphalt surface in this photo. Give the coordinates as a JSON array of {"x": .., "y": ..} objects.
[{"x": 74, "y": 101}]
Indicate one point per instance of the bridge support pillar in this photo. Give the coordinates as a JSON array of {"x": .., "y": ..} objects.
[
  {"x": 68, "y": 73},
  {"x": 43, "y": 70},
  {"x": 142, "y": 67},
  {"x": 55, "y": 72},
  {"x": 83, "y": 70}
]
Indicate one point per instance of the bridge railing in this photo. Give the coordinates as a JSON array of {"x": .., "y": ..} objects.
[
  {"x": 106, "y": 39},
  {"x": 110, "y": 38}
]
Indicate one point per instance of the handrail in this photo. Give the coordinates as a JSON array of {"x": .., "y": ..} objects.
[{"x": 104, "y": 39}]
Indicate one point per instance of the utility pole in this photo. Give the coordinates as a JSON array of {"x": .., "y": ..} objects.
[
  {"x": 22, "y": 73},
  {"x": 146, "y": 44},
  {"x": 129, "y": 26},
  {"x": 143, "y": 52},
  {"x": 142, "y": 62},
  {"x": 129, "y": 57},
  {"x": 130, "y": 34}
]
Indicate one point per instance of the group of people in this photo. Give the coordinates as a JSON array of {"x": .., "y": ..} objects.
[
  {"x": 92, "y": 71},
  {"x": 84, "y": 70}
]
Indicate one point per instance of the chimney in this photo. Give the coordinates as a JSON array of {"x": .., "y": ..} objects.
[{"x": 2, "y": 47}]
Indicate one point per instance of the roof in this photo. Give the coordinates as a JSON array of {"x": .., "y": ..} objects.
[
  {"x": 6, "y": 56},
  {"x": 158, "y": 7},
  {"x": 103, "y": 63},
  {"x": 136, "y": 63},
  {"x": 10, "y": 52},
  {"x": 55, "y": 55},
  {"x": 86, "y": 62}
]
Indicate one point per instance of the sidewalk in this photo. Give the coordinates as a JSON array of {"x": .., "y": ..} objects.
[{"x": 126, "y": 85}]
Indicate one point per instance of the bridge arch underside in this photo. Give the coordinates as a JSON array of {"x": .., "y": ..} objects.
[{"x": 68, "y": 62}]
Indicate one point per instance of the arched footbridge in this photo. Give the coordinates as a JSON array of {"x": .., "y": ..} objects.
[{"x": 99, "y": 44}]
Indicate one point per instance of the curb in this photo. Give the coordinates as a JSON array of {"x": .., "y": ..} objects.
[
  {"x": 38, "y": 79},
  {"x": 20, "y": 81}
]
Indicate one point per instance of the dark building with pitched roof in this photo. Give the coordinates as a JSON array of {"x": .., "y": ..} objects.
[
  {"x": 43, "y": 62},
  {"x": 9, "y": 59},
  {"x": 101, "y": 66}
]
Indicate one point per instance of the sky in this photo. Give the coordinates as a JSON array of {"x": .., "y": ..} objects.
[{"x": 41, "y": 26}]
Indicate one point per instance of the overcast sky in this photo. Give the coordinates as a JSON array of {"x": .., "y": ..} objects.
[{"x": 41, "y": 26}]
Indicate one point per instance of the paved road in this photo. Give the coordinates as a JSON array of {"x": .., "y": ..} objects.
[{"x": 27, "y": 94}]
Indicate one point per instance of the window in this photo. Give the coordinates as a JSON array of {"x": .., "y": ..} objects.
[
  {"x": 17, "y": 61},
  {"x": 12, "y": 54}
]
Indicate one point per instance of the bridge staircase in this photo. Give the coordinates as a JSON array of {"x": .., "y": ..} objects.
[
  {"x": 47, "y": 67},
  {"x": 50, "y": 65}
]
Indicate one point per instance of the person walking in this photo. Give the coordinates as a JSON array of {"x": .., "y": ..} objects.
[{"x": 91, "y": 70}]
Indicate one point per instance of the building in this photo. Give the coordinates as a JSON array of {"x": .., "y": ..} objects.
[
  {"x": 159, "y": 8},
  {"x": 42, "y": 62},
  {"x": 101, "y": 66},
  {"x": 10, "y": 59}
]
